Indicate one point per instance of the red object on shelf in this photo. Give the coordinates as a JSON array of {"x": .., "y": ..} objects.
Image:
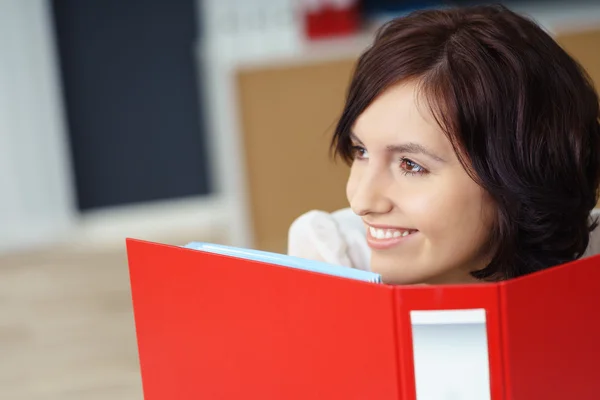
[
  {"x": 217, "y": 327},
  {"x": 329, "y": 20}
]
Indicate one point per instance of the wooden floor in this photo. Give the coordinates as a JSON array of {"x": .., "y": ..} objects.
[{"x": 66, "y": 327}]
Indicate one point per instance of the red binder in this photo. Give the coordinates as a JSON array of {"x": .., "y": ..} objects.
[{"x": 217, "y": 327}]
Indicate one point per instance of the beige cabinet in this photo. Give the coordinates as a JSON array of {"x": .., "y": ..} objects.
[
  {"x": 584, "y": 46},
  {"x": 288, "y": 114}
]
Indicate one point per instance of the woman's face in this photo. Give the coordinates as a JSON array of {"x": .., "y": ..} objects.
[{"x": 427, "y": 221}]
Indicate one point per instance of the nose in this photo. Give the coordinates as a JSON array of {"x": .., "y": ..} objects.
[{"x": 368, "y": 194}]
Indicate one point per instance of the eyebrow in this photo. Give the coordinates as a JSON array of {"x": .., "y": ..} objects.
[{"x": 410, "y": 147}]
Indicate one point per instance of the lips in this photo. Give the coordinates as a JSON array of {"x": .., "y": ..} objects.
[
  {"x": 382, "y": 238},
  {"x": 379, "y": 233}
]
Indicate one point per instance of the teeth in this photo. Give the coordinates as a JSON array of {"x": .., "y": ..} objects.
[{"x": 387, "y": 233}]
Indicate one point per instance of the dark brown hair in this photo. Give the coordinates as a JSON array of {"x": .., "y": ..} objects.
[{"x": 521, "y": 114}]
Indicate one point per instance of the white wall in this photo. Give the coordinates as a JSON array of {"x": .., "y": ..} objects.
[
  {"x": 37, "y": 192},
  {"x": 36, "y": 200}
]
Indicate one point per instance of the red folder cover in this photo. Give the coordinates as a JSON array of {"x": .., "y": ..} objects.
[{"x": 217, "y": 327}]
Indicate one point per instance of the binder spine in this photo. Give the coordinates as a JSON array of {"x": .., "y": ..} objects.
[
  {"x": 404, "y": 344},
  {"x": 449, "y": 342}
]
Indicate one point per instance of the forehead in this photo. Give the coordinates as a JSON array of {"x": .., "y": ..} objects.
[{"x": 400, "y": 114}]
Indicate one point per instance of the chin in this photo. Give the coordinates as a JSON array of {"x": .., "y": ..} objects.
[
  {"x": 402, "y": 270},
  {"x": 391, "y": 276},
  {"x": 401, "y": 273},
  {"x": 401, "y": 281}
]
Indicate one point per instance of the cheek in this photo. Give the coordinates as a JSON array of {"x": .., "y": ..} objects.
[
  {"x": 352, "y": 183},
  {"x": 452, "y": 209}
]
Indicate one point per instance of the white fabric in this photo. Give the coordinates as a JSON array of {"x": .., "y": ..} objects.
[
  {"x": 340, "y": 238},
  {"x": 336, "y": 238},
  {"x": 594, "y": 245}
]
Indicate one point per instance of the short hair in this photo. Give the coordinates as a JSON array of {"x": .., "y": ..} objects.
[{"x": 520, "y": 113}]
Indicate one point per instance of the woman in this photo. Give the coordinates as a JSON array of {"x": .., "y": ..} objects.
[{"x": 474, "y": 146}]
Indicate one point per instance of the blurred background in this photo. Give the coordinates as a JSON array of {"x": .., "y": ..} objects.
[{"x": 171, "y": 121}]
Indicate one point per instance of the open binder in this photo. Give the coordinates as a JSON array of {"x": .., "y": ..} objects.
[{"x": 215, "y": 325}]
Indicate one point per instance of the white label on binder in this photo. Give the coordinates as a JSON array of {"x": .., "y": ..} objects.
[{"x": 451, "y": 354}]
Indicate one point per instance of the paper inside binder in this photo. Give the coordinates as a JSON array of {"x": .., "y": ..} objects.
[{"x": 287, "y": 261}]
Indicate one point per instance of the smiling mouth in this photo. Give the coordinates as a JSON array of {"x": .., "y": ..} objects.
[
  {"x": 386, "y": 238},
  {"x": 382, "y": 234}
]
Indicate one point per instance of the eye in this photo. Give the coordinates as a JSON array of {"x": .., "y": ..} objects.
[
  {"x": 359, "y": 153},
  {"x": 410, "y": 167}
]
